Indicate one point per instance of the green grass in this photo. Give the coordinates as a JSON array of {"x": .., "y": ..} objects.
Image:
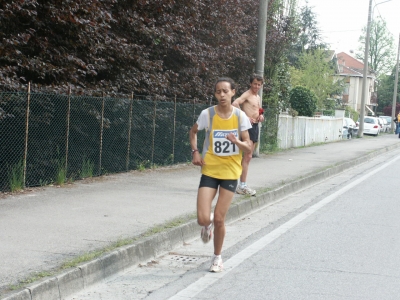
[
  {"x": 43, "y": 182},
  {"x": 82, "y": 258},
  {"x": 269, "y": 148},
  {"x": 124, "y": 242},
  {"x": 87, "y": 169},
  {"x": 143, "y": 165},
  {"x": 34, "y": 277},
  {"x": 61, "y": 175},
  {"x": 171, "y": 224},
  {"x": 16, "y": 177}
]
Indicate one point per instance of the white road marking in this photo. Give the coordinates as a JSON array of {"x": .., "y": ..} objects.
[{"x": 210, "y": 278}]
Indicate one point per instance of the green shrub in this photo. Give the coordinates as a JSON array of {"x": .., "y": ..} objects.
[{"x": 303, "y": 101}]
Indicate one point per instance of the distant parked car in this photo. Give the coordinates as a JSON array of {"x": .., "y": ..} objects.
[
  {"x": 380, "y": 122},
  {"x": 371, "y": 126},
  {"x": 389, "y": 121},
  {"x": 386, "y": 126},
  {"x": 350, "y": 128}
]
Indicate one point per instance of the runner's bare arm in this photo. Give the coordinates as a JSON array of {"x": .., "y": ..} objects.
[
  {"x": 196, "y": 157},
  {"x": 239, "y": 101}
]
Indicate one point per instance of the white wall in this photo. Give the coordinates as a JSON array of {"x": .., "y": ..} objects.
[{"x": 303, "y": 131}]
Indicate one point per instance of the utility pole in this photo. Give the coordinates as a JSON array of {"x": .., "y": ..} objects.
[
  {"x": 364, "y": 92},
  {"x": 365, "y": 73},
  {"x": 396, "y": 80},
  {"x": 260, "y": 54}
]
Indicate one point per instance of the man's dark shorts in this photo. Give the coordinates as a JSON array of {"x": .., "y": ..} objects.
[
  {"x": 228, "y": 184},
  {"x": 253, "y": 133}
]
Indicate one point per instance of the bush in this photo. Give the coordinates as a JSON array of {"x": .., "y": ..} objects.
[
  {"x": 303, "y": 101},
  {"x": 388, "y": 110},
  {"x": 351, "y": 113}
]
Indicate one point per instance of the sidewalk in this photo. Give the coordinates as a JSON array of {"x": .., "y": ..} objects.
[{"x": 44, "y": 227}]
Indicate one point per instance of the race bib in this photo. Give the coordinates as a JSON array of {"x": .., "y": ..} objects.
[{"x": 222, "y": 146}]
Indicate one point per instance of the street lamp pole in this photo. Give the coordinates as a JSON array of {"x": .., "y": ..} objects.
[
  {"x": 260, "y": 54},
  {"x": 261, "y": 37},
  {"x": 365, "y": 73},
  {"x": 396, "y": 80}
]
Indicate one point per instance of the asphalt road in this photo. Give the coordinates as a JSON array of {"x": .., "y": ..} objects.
[{"x": 338, "y": 239}]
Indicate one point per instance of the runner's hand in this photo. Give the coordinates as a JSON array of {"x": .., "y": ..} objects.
[
  {"x": 231, "y": 137},
  {"x": 197, "y": 160}
]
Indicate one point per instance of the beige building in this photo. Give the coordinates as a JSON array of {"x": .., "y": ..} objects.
[{"x": 351, "y": 70}]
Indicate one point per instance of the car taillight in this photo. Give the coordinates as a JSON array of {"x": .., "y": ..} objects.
[{"x": 376, "y": 126}]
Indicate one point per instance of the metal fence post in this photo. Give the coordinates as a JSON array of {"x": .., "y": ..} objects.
[
  {"x": 194, "y": 110},
  {"x": 26, "y": 134},
  {"x": 101, "y": 132},
  {"x": 129, "y": 132},
  {"x": 154, "y": 131},
  {"x": 67, "y": 131}
]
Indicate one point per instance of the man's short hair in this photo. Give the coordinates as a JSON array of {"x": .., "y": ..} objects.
[{"x": 256, "y": 76}]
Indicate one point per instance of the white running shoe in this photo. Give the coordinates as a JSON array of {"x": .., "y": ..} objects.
[
  {"x": 207, "y": 231},
  {"x": 245, "y": 190},
  {"x": 216, "y": 264}
]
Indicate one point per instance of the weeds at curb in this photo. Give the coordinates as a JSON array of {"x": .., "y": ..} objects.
[{"x": 34, "y": 277}]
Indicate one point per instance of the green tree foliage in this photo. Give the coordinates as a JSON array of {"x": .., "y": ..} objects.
[
  {"x": 308, "y": 37},
  {"x": 160, "y": 47},
  {"x": 282, "y": 32},
  {"x": 385, "y": 93},
  {"x": 303, "y": 101},
  {"x": 351, "y": 113},
  {"x": 316, "y": 72},
  {"x": 381, "y": 47}
]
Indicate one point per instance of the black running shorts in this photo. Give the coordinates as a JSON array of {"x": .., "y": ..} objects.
[
  {"x": 253, "y": 133},
  {"x": 207, "y": 181}
]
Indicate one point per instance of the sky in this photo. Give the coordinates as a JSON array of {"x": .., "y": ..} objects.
[{"x": 341, "y": 21}]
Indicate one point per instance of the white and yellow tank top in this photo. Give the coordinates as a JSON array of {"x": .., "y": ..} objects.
[{"x": 222, "y": 157}]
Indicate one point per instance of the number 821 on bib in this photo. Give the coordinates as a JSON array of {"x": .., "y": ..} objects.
[{"x": 221, "y": 145}]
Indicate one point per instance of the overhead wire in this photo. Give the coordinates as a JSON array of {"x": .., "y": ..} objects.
[{"x": 381, "y": 15}]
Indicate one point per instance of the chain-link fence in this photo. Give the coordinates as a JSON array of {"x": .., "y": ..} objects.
[
  {"x": 51, "y": 138},
  {"x": 269, "y": 130}
]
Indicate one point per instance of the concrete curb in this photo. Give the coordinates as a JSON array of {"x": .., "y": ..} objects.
[{"x": 97, "y": 270}]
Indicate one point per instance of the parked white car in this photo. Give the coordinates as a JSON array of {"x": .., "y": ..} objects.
[{"x": 372, "y": 126}]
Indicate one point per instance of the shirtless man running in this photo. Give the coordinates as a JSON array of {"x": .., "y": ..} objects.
[{"x": 249, "y": 102}]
